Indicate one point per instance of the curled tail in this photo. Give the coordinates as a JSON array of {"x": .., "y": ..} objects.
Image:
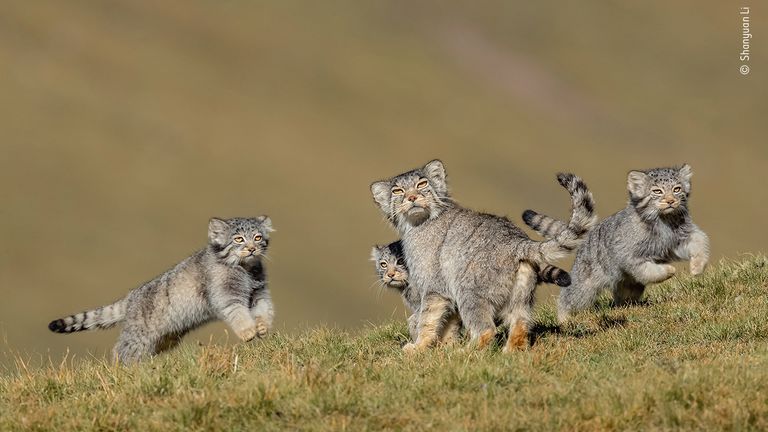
[
  {"x": 554, "y": 275},
  {"x": 583, "y": 217},
  {"x": 99, "y": 318},
  {"x": 563, "y": 237}
]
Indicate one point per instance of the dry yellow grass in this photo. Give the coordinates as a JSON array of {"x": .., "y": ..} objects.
[
  {"x": 127, "y": 124},
  {"x": 694, "y": 358}
]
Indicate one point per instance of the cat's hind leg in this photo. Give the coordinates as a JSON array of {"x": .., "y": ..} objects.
[
  {"x": 587, "y": 283},
  {"x": 477, "y": 314},
  {"x": 168, "y": 342},
  {"x": 134, "y": 344},
  {"x": 518, "y": 316},
  {"x": 451, "y": 331}
]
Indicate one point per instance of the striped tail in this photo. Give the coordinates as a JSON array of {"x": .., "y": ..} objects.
[
  {"x": 100, "y": 318},
  {"x": 563, "y": 237},
  {"x": 546, "y": 226},
  {"x": 554, "y": 275}
]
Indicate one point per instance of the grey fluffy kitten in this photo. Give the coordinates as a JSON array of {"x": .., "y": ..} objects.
[
  {"x": 225, "y": 281},
  {"x": 633, "y": 248},
  {"x": 393, "y": 273},
  {"x": 481, "y": 263}
]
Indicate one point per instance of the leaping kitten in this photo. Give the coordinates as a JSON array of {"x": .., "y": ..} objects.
[
  {"x": 225, "y": 281},
  {"x": 633, "y": 248}
]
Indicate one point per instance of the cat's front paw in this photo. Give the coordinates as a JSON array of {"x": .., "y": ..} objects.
[
  {"x": 411, "y": 348},
  {"x": 246, "y": 333},
  {"x": 670, "y": 269},
  {"x": 261, "y": 328},
  {"x": 697, "y": 265}
]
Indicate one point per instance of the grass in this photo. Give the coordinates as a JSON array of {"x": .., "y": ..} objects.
[{"x": 694, "y": 357}]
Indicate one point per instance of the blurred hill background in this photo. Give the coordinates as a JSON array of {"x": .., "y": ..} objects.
[{"x": 125, "y": 125}]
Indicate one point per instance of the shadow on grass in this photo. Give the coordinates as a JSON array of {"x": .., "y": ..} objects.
[
  {"x": 606, "y": 322},
  {"x": 574, "y": 330},
  {"x": 541, "y": 330}
]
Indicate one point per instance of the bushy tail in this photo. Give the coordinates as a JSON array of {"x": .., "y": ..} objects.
[
  {"x": 563, "y": 237},
  {"x": 554, "y": 275},
  {"x": 583, "y": 217},
  {"x": 100, "y": 318},
  {"x": 546, "y": 226}
]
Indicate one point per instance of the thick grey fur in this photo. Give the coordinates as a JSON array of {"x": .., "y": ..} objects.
[
  {"x": 634, "y": 247},
  {"x": 225, "y": 281},
  {"x": 393, "y": 273},
  {"x": 481, "y": 263}
]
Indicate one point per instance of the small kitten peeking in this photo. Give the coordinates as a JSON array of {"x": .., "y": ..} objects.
[
  {"x": 393, "y": 273},
  {"x": 633, "y": 248},
  {"x": 225, "y": 281}
]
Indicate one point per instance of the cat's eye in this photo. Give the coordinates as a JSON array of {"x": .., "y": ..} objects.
[
  {"x": 422, "y": 184},
  {"x": 399, "y": 261},
  {"x": 657, "y": 191},
  {"x": 257, "y": 238},
  {"x": 239, "y": 239},
  {"x": 398, "y": 191},
  {"x": 677, "y": 189},
  {"x": 383, "y": 264}
]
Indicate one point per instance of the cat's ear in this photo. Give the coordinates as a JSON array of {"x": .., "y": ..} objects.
[
  {"x": 382, "y": 193},
  {"x": 435, "y": 172},
  {"x": 685, "y": 172},
  {"x": 266, "y": 223},
  {"x": 637, "y": 183},
  {"x": 375, "y": 253},
  {"x": 218, "y": 231}
]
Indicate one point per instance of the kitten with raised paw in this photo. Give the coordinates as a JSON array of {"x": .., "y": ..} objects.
[
  {"x": 225, "y": 281},
  {"x": 634, "y": 247}
]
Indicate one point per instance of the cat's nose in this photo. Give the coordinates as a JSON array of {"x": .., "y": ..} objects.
[
  {"x": 412, "y": 198},
  {"x": 390, "y": 274}
]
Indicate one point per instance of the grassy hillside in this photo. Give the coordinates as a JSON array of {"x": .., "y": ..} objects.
[{"x": 694, "y": 357}]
